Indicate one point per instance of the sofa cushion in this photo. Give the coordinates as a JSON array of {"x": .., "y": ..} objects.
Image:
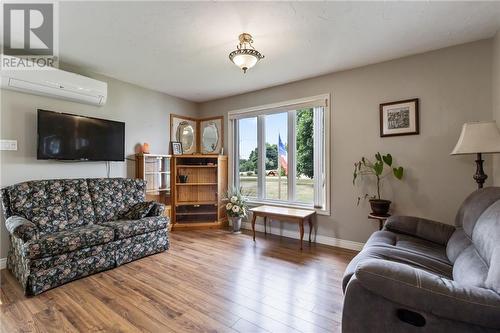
[
  {"x": 78, "y": 205},
  {"x": 7, "y": 210},
  {"x": 113, "y": 197},
  {"x": 470, "y": 269},
  {"x": 458, "y": 242},
  {"x": 157, "y": 210},
  {"x": 385, "y": 245},
  {"x": 474, "y": 205},
  {"x": 127, "y": 228},
  {"x": 68, "y": 240},
  {"x": 473, "y": 265},
  {"x": 486, "y": 233},
  {"x": 52, "y": 205},
  {"x": 16, "y": 200},
  {"x": 132, "y": 248},
  {"x": 419, "y": 227},
  {"x": 467, "y": 216},
  {"x": 60, "y": 259},
  {"x": 419, "y": 246},
  {"x": 41, "y": 202},
  {"x": 138, "y": 211},
  {"x": 493, "y": 278},
  {"x": 67, "y": 271}
]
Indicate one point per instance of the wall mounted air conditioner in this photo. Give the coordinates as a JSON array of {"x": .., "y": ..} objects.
[{"x": 56, "y": 83}]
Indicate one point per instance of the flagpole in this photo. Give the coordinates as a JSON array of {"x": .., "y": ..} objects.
[{"x": 279, "y": 173}]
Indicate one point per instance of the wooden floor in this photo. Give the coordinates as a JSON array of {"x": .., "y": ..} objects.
[{"x": 209, "y": 281}]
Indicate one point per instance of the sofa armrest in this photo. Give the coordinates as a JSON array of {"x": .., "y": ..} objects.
[
  {"x": 430, "y": 293},
  {"x": 426, "y": 229},
  {"x": 22, "y": 228},
  {"x": 157, "y": 210}
]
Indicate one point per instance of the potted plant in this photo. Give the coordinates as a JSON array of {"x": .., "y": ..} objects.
[
  {"x": 236, "y": 209},
  {"x": 367, "y": 168}
]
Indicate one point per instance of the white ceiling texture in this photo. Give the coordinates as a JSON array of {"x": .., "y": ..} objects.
[{"x": 181, "y": 48}]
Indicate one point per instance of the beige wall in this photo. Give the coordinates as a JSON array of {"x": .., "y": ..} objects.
[
  {"x": 145, "y": 113},
  {"x": 496, "y": 98},
  {"x": 453, "y": 85}
]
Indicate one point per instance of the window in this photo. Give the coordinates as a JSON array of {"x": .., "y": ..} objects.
[
  {"x": 276, "y": 156},
  {"x": 282, "y": 153},
  {"x": 304, "y": 170},
  {"x": 248, "y": 157}
]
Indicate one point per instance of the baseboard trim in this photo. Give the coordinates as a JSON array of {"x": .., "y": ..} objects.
[
  {"x": 325, "y": 240},
  {"x": 3, "y": 263}
]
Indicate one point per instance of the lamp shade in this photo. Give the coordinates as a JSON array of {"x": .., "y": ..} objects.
[
  {"x": 478, "y": 137},
  {"x": 245, "y": 61}
]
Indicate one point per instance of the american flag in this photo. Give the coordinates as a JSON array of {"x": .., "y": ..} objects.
[{"x": 282, "y": 155}]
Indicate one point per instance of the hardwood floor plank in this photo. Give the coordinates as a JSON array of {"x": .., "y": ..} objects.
[
  {"x": 244, "y": 326},
  {"x": 100, "y": 311},
  {"x": 132, "y": 308},
  {"x": 167, "y": 292},
  {"x": 255, "y": 280},
  {"x": 53, "y": 321},
  {"x": 81, "y": 319},
  {"x": 209, "y": 281},
  {"x": 11, "y": 290}
]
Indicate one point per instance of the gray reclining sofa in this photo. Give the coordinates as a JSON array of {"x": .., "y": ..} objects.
[{"x": 418, "y": 275}]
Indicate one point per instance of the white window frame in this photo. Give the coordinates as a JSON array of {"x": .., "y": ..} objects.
[{"x": 324, "y": 146}]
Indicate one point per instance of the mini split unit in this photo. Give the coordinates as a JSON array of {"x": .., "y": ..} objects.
[{"x": 56, "y": 83}]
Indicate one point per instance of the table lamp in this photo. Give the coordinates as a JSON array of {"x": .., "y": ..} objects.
[{"x": 478, "y": 138}]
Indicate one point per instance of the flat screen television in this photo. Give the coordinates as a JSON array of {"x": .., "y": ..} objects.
[{"x": 63, "y": 136}]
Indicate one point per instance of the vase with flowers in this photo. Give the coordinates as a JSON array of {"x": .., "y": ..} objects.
[{"x": 236, "y": 208}]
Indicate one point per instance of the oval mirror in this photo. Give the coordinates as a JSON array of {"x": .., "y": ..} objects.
[
  {"x": 210, "y": 137},
  {"x": 185, "y": 135}
]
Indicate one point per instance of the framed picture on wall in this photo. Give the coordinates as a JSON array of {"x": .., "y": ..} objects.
[
  {"x": 176, "y": 148},
  {"x": 399, "y": 118}
]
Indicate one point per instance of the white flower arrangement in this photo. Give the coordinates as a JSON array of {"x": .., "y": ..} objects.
[{"x": 237, "y": 205}]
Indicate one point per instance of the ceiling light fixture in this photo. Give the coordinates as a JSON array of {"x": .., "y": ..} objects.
[{"x": 245, "y": 56}]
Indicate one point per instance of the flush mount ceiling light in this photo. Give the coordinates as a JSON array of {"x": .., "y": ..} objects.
[{"x": 245, "y": 56}]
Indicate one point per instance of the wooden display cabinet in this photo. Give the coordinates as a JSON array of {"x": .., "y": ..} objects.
[
  {"x": 199, "y": 200},
  {"x": 156, "y": 170}
]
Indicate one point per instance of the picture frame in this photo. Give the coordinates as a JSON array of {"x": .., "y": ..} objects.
[
  {"x": 400, "y": 118},
  {"x": 211, "y": 135},
  {"x": 176, "y": 148},
  {"x": 185, "y": 130}
]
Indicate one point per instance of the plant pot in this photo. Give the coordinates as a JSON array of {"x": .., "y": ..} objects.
[
  {"x": 236, "y": 222},
  {"x": 183, "y": 179},
  {"x": 380, "y": 206}
]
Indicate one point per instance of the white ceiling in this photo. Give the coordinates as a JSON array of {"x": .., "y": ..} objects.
[{"x": 181, "y": 48}]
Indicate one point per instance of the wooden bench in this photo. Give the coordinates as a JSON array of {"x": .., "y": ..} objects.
[{"x": 284, "y": 214}]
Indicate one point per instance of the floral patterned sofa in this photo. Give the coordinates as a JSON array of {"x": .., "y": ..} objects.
[{"x": 65, "y": 229}]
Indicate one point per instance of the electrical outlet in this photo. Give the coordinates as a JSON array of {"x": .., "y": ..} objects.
[{"x": 8, "y": 144}]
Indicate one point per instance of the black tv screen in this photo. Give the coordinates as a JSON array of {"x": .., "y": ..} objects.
[{"x": 64, "y": 136}]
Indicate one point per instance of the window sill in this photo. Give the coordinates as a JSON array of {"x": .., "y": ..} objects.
[{"x": 254, "y": 203}]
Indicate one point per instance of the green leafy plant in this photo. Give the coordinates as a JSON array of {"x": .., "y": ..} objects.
[{"x": 368, "y": 168}]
